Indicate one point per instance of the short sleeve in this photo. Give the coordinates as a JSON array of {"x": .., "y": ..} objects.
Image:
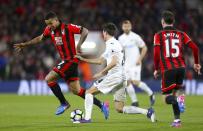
[
  {"x": 186, "y": 38},
  {"x": 156, "y": 39},
  {"x": 140, "y": 42},
  {"x": 105, "y": 54},
  {"x": 76, "y": 29},
  {"x": 46, "y": 32}
]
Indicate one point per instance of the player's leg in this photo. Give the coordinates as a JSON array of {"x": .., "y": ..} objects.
[
  {"x": 119, "y": 98},
  {"x": 89, "y": 104},
  {"x": 71, "y": 77},
  {"x": 77, "y": 90},
  {"x": 143, "y": 86},
  {"x": 136, "y": 80},
  {"x": 130, "y": 89},
  {"x": 168, "y": 89},
  {"x": 51, "y": 80},
  {"x": 131, "y": 92},
  {"x": 180, "y": 91}
]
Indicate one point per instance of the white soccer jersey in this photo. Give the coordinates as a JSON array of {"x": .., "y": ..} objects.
[
  {"x": 131, "y": 43},
  {"x": 113, "y": 47}
]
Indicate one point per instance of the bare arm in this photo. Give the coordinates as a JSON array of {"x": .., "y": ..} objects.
[
  {"x": 20, "y": 46},
  {"x": 98, "y": 61},
  {"x": 82, "y": 38},
  {"x": 106, "y": 69},
  {"x": 110, "y": 65},
  {"x": 142, "y": 55}
]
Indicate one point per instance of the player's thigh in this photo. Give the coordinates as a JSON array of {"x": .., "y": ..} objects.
[
  {"x": 74, "y": 86},
  {"x": 180, "y": 75},
  {"x": 52, "y": 76},
  {"x": 168, "y": 81},
  {"x": 71, "y": 73},
  {"x": 110, "y": 83}
]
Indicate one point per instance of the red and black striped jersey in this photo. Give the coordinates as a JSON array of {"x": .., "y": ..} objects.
[
  {"x": 169, "y": 43},
  {"x": 63, "y": 39}
]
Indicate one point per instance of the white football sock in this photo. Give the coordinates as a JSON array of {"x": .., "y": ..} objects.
[
  {"x": 88, "y": 106},
  {"x": 134, "y": 110},
  {"x": 144, "y": 87},
  {"x": 131, "y": 92}
]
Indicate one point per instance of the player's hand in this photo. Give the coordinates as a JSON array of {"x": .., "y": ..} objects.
[
  {"x": 156, "y": 74},
  {"x": 97, "y": 76},
  {"x": 197, "y": 68},
  {"x": 138, "y": 62},
  {"x": 18, "y": 47}
]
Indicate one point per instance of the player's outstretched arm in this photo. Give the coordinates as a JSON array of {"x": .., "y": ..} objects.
[
  {"x": 83, "y": 37},
  {"x": 18, "y": 47},
  {"x": 98, "y": 61}
]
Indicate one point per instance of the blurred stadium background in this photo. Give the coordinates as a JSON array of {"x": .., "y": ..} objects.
[{"x": 23, "y": 20}]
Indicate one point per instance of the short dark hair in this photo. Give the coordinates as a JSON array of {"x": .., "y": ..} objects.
[
  {"x": 110, "y": 28},
  {"x": 168, "y": 17},
  {"x": 50, "y": 15},
  {"x": 126, "y": 22}
]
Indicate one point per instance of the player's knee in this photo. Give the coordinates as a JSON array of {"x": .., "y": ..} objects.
[
  {"x": 47, "y": 79},
  {"x": 136, "y": 83},
  {"x": 119, "y": 110}
]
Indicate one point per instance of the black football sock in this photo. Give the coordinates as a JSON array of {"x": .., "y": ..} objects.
[
  {"x": 55, "y": 88},
  {"x": 95, "y": 100},
  {"x": 173, "y": 100},
  {"x": 176, "y": 111}
]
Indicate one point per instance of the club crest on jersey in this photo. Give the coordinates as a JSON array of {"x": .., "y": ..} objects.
[
  {"x": 63, "y": 32},
  {"x": 58, "y": 40}
]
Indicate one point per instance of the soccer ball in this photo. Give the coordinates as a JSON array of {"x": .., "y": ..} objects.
[{"x": 76, "y": 115}]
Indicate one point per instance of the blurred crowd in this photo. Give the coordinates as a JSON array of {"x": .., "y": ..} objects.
[{"x": 22, "y": 20}]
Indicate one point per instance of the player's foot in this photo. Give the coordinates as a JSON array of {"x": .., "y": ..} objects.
[
  {"x": 176, "y": 124},
  {"x": 83, "y": 121},
  {"x": 135, "y": 104},
  {"x": 62, "y": 108},
  {"x": 152, "y": 99},
  {"x": 151, "y": 114},
  {"x": 181, "y": 103},
  {"x": 105, "y": 109}
]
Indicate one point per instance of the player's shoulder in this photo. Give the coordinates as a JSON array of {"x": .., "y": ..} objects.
[
  {"x": 122, "y": 36},
  {"x": 135, "y": 35},
  {"x": 113, "y": 43}
]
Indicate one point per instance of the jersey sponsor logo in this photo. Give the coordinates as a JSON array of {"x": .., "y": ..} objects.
[
  {"x": 58, "y": 40},
  {"x": 77, "y": 26},
  {"x": 63, "y": 32}
]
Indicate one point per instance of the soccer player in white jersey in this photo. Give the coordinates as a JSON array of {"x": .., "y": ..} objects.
[
  {"x": 111, "y": 79},
  {"x": 132, "y": 43}
]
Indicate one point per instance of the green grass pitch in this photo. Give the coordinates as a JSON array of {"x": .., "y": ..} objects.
[{"x": 36, "y": 113}]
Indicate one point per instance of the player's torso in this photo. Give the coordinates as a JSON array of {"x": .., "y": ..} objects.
[
  {"x": 64, "y": 42},
  {"x": 131, "y": 48},
  {"x": 171, "y": 44},
  {"x": 113, "y": 47}
]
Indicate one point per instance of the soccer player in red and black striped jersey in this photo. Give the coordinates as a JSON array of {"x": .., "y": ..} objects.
[
  {"x": 169, "y": 58},
  {"x": 62, "y": 36}
]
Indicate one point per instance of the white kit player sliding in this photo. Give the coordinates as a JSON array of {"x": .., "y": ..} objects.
[
  {"x": 111, "y": 79},
  {"x": 132, "y": 43}
]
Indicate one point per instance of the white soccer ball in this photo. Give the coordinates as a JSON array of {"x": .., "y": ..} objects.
[{"x": 76, "y": 115}]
